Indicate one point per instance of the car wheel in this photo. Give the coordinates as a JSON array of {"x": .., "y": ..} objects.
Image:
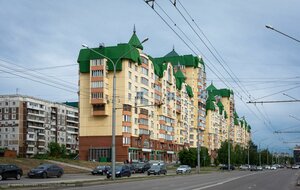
[
  {"x": 18, "y": 177},
  {"x": 148, "y": 174},
  {"x": 1, "y": 177},
  {"x": 59, "y": 175},
  {"x": 165, "y": 173},
  {"x": 44, "y": 175},
  {"x": 107, "y": 177}
]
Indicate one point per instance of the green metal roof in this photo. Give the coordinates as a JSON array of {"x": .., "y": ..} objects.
[
  {"x": 186, "y": 60},
  {"x": 189, "y": 91},
  {"x": 180, "y": 78},
  {"x": 134, "y": 41},
  {"x": 210, "y": 105},
  {"x": 221, "y": 107},
  {"x": 211, "y": 88},
  {"x": 235, "y": 118},
  {"x": 126, "y": 51},
  {"x": 172, "y": 53},
  {"x": 73, "y": 104}
]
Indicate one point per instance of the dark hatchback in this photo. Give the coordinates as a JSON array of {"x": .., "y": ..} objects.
[
  {"x": 157, "y": 170},
  {"x": 225, "y": 167},
  {"x": 142, "y": 167},
  {"x": 10, "y": 171},
  {"x": 46, "y": 170},
  {"x": 101, "y": 170},
  {"x": 121, "y": 170}
]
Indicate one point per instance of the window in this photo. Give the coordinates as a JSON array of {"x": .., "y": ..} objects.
[
  {"x": 5, "y": 110},
  {"x": 126, "y": 140},
  {"x": 144, "y": 60},
  {"x": 13, "y": 116},
  {"x": 97, "y": 73},
  {"x": 97, "y": 95},
  {"x": 144, "y": 91},
  {"x": 126, "y": 129},
  {"x": 97, "y": 62},
  {"x": 130, "y": 64},
  {"x": 127, "y": 118},
  {"x": 129, "y": 74},
  {"x": 5, "y": 117},
  {"x": 129, "y": 85},
  {"x": 97, "y": 84},
  {"x": 144, "y": 81},
  {"x": 129, "y": 96},
  {"x": 136, "y": 78},
  {"x": 145, "y": 71}
]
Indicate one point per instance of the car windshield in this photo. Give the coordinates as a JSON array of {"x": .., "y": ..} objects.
[
  {"x": 183, "y": 166},
  {"x": 155, "y": 167},
  {"x": 100, "y": 167},
  {"x": 140, "y": 165},
  {"x": 41, "y": 167},
  {"x": 118, "y": 167}
]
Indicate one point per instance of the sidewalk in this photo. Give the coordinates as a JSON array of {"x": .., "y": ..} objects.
[{"x": 70, "y": 165}]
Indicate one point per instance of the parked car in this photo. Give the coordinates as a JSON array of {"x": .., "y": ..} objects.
[
  {"x": 183, "y": 169},
  {"x": 244, "y": 167},
  {"x": 253, "y": 168},
  {"x": 132, "y": 168},
  {"x": 225, "y": 167},
  {"x": 10, "y": 171},
  {"x": 142, "y": 167},
  {"x": 120, "y": 170},
  {"x": 295, "y": 166},
  {"x": 100, "y": 170},
  {"x": 273, "y": 167},
  {"x": 259, "y": 168},
  {"x": 46, "y": 170},
  {"x": 267, "y": 167},
  {"x": 157, "y": 170}
]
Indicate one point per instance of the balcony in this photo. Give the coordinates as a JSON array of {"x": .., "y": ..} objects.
[
  {"x": 72, "y": 132},
  {"x": 28, "y": 138},
  {"x": 31, "y": 145},
  {"x": 29, "y": 151},
  {"x": 35, "y": 127},
  {"x": 41, "y": 139}
]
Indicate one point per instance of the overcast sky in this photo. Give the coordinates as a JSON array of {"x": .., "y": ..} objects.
[{"x": 46, "y": 36}]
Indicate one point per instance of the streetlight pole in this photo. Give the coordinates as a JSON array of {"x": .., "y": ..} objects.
[
  {"x": 113, "y": 143},
  {"x": 248, "y": 155},
  {"x": 271, "y": 28},
  {"x": 228, "y": 148},
  {"x": 198, "y": 152}
]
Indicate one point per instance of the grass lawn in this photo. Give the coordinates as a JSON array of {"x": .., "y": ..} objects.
[{"x": 28, "y": 163}]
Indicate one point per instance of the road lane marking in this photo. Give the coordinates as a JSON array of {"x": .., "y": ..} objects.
[{"x": 223, "y": 182}]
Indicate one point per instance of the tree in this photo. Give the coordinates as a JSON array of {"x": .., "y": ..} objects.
[
  {"x": 55, "y": 150},
  {"x": 189, "y": 157},
  {"x": 223, "y": 153}
]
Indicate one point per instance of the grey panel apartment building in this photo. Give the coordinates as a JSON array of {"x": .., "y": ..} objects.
[{"x": 28, "y": 125}]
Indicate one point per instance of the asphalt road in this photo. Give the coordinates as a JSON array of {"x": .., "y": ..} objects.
[{"x": 282, "y": 179}]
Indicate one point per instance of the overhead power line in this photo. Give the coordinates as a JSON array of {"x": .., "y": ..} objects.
[{"x": 273, "y": 101}]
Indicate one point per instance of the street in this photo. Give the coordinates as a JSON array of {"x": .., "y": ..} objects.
[{"x": 282, "y": 179}]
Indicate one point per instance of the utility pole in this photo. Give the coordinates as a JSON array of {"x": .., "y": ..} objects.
[
  {"x": 198, "y": 152},
  {"x": 228, "y": 148}
]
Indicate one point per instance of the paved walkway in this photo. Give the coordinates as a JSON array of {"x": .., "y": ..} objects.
[{"x": 70, "y": 165}]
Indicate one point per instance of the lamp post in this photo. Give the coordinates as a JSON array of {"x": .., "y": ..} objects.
[
  {"x": 113, "y": 143},
  {"x": 272, "y": 28}
]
